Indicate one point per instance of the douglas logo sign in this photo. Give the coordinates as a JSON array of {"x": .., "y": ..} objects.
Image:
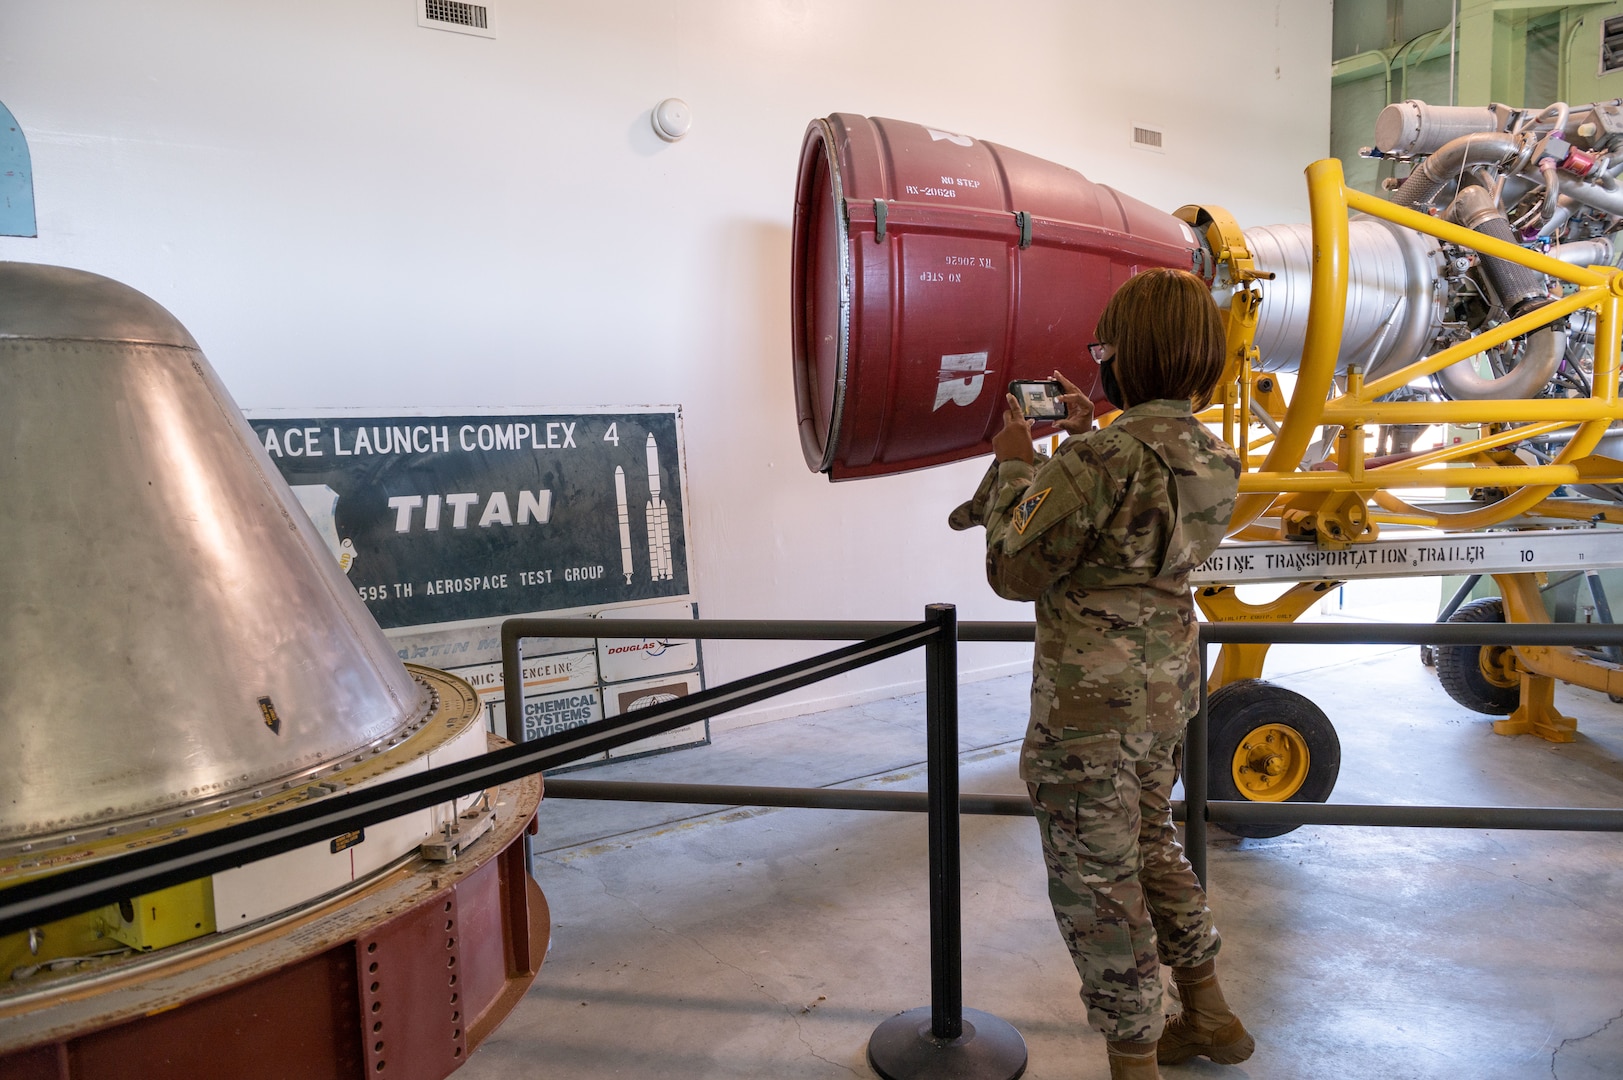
[{"x": 649, "y": 647}]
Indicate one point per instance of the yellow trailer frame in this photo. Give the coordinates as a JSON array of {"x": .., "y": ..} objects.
[
  {"x": 1346, "y": 503},
  {"x": 1278, "y": 485}
]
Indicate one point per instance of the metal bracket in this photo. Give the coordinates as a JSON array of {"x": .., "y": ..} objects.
[
  {"x": 467, "y": 828},
  {"x": 1023, "y": 220},
  {"x": 879, "y": 214}
]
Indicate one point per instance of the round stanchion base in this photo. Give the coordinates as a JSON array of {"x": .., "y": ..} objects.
[{"x": 905, "y": 1048}]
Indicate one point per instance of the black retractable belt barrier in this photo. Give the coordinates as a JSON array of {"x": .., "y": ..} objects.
[
  {"x": 942, "y": 1040},
  {"x": 81, "y": 888}
]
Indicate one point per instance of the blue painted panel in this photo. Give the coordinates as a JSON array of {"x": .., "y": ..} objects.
[{"x": 16, "y": 179}]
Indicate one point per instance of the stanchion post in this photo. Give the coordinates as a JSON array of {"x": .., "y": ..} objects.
[
  {"x": 1194, "y": 780},
  {"x": 946, "y": 894},
  {"x": 513, "y": 710},
  {"x": 945, "y": 1040},
  {"x": 513, "y": 681}
]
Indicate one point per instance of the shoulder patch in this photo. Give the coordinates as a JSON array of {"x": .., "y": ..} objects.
[{"x": 1024, "y": 512}]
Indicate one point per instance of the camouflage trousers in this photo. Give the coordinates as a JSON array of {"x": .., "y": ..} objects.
[{"x": 1124, "y": 896}]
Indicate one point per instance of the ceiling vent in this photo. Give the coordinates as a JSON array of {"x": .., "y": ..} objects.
[
  {"x": 1148, "y": 138},
  {"x": 457, "y": 17}
]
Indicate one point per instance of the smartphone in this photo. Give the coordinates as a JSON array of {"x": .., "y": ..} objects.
[{"x": 1039, "y": 399}]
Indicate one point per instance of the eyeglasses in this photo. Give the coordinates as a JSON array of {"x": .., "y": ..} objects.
[{"x": 1100, "y": 351}]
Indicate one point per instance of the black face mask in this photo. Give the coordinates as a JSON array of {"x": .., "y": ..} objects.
[{"x": 1108, "y": 383}]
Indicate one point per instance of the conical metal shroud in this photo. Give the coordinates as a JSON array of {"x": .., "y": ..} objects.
[{"x": 175, "y": 632}]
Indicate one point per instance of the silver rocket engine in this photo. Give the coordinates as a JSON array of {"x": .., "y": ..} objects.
[{"x": 1545, "y": 179}]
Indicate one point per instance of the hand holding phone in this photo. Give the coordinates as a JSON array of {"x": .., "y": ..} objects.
[
  {"x": 1078, "y": 406},
  {"x": 1013, "y": 440},
  {"x": 1039, "y": 399}
]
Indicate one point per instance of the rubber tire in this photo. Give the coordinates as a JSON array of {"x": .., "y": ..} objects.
[
  {"x": 1459, "y": 667},
  {"x": 1238, "y": 708}
]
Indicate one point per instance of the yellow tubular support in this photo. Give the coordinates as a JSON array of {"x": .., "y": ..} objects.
[
  {"x": 1598, "y": 287},
  {"x": 1226, "y": 240},
  {"x": 1243, "y": 447},
  {"x": 1582, "y": 443},
  {"x": 1326, "y": 313},
  {"x": 1461, "y": 451},
  {"x": 1539, "y": 666},
  {"x": 1500, "y": 334},
  {"x": 1220, "y": 604},
  {"x": 1425, "y": 521},
  {"x": 1459, "y": 234},
  {"x": 1494, "y": 411},
  {"x": 1394, "y": 477},
  {"x": 1571, "y": 510}
]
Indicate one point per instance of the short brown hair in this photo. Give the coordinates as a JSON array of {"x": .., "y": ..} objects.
[{"x": 1168, "y": 336}]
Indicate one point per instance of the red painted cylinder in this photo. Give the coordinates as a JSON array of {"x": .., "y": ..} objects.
[{"x": 930, "y": 269}]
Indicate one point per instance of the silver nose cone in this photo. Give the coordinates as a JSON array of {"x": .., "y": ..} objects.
[{"x": 173, "y": 632}]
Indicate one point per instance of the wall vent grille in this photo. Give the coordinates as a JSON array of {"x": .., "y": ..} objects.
[
  {"x": 457, "y": 17},
  {"x": 1148, "y": 138},
  {"x": 1611, "y": 45}
]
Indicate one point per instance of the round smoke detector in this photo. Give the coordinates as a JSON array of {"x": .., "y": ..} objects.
[{"x": 672, "y": 119}]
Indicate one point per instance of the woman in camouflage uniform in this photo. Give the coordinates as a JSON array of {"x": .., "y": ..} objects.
[{"x": 1103, "y": 537}]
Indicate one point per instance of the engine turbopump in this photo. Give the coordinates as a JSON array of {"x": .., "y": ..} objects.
[{"x": 1542, "y": 179}]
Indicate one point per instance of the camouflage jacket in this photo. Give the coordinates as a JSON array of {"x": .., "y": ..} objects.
[{"x": 1103, "y": 537}]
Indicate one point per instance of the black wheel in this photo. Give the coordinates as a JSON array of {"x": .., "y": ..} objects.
[
  {"x": 1268, "y": 744},
  {"x": 1428, "y": 656},
  {"x": 1483, "y": 678}
]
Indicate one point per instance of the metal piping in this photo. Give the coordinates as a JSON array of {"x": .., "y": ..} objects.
[
  {"x": 1475, "y": 209},
  {"x": 1445, "y": 166},
  {"x": 1552, "y": 189},
  {"x": 1538, "y": 366},
  {"x": 1584, "y": 252},
  {"x": 1599, "y": 196},
  {"x": 1564, "y": 208}
]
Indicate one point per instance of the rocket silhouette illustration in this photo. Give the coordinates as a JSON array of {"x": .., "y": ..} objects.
[{"x": 658, "y": 521}]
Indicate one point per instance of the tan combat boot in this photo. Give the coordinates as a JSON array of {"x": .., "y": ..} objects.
[
  {"x": 1132, "y": 1061},
  {"x": 1207, "y": 1027}
]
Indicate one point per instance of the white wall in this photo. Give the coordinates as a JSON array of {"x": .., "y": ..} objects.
[{"x": 347, "y": 209}]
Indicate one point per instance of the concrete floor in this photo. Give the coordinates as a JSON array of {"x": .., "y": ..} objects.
[{"x": 691, "y": 942}]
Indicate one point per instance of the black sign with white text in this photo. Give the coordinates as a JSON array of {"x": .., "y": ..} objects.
[{"x": 440, "y": 519}]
